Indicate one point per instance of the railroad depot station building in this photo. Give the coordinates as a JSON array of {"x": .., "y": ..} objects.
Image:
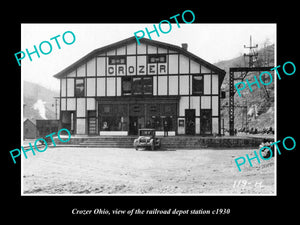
[{"x": 122, "y": 87}]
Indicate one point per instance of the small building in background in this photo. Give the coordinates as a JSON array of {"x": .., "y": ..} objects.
[{"x": 29, "y": 129}]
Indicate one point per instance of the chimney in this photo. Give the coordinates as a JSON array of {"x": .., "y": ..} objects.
[{"x": 184, "y": 46}]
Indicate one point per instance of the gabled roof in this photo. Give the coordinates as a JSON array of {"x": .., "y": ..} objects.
[
  {"x": 132, "y": 39},
  {"x": 29, "y": 121}
]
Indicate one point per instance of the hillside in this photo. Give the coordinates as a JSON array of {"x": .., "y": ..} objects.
[
  {"x": 257, "y": 106},
  {"x": 38, "y": 102}
]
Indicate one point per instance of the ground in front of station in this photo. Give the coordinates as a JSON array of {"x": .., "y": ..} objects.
[{"x": 98, "y": 171}]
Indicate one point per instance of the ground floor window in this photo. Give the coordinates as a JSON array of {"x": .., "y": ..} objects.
[
  {"x": 117, "y": 123},
  {"x": 131, "y": 117},
  {"x": 161, "y": 123},
  {"x": 113, "y": 117},
  {"x": 113, "y": 123}
]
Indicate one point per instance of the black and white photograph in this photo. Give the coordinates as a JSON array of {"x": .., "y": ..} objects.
[
  {"x": 128, "y": 111},
  {"x": 146, "y": 109}
]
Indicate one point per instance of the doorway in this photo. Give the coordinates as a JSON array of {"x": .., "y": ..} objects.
[
  {"x": 190, "y": 121},
  {"x": 68, "y": 121},
  {"x": 133, "y": 125},
  {"x": 205, "y": 121}
]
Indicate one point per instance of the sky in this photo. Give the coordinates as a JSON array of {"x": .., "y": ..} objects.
[{"x": 211, "y": 42}]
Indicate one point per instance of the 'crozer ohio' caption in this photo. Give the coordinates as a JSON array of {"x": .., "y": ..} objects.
[{"x": 45, "y": 47}]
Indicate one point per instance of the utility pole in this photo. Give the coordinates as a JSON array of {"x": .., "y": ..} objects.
[
  {"x": 244, "y": 72},
  {"x": 252, "y": 54},
  {"x": 56, "y": 99}
]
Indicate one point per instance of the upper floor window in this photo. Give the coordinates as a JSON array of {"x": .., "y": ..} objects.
[
  {"x": 79, "y": 87},
  {"x": 197, "y": 85},
  {"x": 137, "y": 85},
  {"x": 126, "y": 86}
]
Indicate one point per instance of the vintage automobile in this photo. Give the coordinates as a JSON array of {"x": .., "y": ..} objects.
[{"x": 146, "y": 139}]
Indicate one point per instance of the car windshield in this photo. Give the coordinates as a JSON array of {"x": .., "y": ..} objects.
[{"x": 146, "y": 133}]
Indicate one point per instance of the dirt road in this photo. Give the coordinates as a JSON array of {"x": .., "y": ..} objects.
[{"x": 126, "y": 171}]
